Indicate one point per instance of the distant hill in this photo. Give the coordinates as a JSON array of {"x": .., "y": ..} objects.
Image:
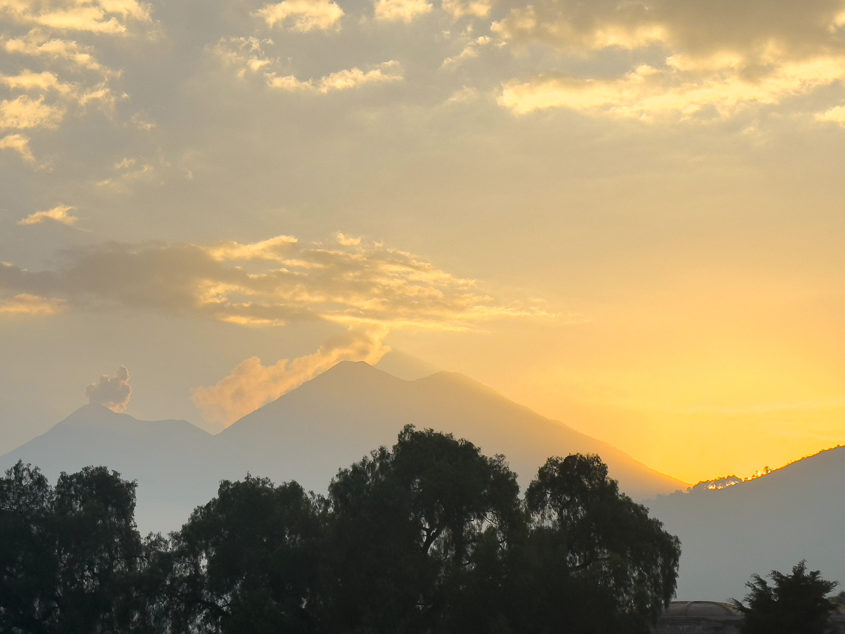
[
  {"x": 772, "y": 522},
  {"x": 308, "y": 434},
  {"x": 169, "y": 459}
]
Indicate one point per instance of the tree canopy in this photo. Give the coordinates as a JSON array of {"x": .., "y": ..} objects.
[
  {"x": 69, "y": 555},
  {"x": 591, "y": 541},
  {"x": 794, "y": 603},
  {"x": 427, "y": 536}
]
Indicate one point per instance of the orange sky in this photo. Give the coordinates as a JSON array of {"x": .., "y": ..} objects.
[{"x": 626, "y": 216}]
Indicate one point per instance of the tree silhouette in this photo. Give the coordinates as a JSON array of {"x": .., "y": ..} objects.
[
  {"x": 615, "y": 565},
  {"x": 406, "y": 529},
  {"x": 28, "y": 566},
  {"x": 68, "y": 555},
  {"x": 794, "y": 604},
  {"x": 246, "y": 561},
  {"x": 428, "y": 536}
]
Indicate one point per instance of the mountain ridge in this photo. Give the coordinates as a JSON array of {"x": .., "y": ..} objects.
[
  {"x": 754, "y": 526},
  {"x": 770, "y": 522},
  {"x": 309, "y": 433}
]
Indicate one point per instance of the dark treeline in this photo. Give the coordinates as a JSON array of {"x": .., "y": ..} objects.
[{"x": 427, "y": 536}]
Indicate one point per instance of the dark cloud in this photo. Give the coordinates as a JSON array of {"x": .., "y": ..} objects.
[{"x": 348, "y": 281}]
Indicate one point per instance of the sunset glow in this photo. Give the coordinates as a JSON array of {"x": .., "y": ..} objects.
[{"x": 625, "y": 216}]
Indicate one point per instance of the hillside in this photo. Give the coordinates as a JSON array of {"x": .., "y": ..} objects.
[{"x": 755, "y": 526}]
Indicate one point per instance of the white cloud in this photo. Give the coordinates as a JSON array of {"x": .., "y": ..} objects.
[
  {"x": 723, "y": 57},
  {"x": 60, "y": 214},
  {"x": 19, "y": 144},
  {"x": 470, "y": 51},
  {"x": 110, "y": 17},
  {"x": 26, "y": 304},
  {"x": 302, "y": 15},
  {"x": 113, "y": 392},
  {"x": 25, "y": 112},
  {"x": 44, "y": 81},
  {"x": 345, "y": 79},
  {"x": 460, "y": 8},
  {"x": 401, "y": 10},
  {"x": 244, "y": 53},
  {"x": 252, "y": 384},
  {"x": 648, "y": 92},
  {"x": 273, "y": 249},
  {"x": 38, "y": 44},
  {"x": 832, "y": 115}
]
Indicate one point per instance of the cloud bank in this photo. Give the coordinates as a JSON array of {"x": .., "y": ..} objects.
[
  {"x": 270, "y": 282},
  {"x": 366, "y": 287},
  {"x": 717, "y": 57}
]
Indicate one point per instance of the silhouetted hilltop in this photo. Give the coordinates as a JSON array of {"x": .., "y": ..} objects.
[
  {"x": 771, "y": 522},
  {"x": 170, "y": 459}
]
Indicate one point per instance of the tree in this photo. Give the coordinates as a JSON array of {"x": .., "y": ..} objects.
[
  {"x": 69, "y": 555},
  {"x": 246, "y": 561},
  {"x": 407, "y": 529},
  {"x": 596, "y": 560},
  {"x": 794, "y": 604},
  {"x": 99, "y": 552},
  {"x": 28, "y": 564}
]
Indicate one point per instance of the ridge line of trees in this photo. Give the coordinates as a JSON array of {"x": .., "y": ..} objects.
[{"x": 428, "y": 536}]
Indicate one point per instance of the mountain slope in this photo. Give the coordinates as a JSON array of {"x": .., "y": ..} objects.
[
  {"x": 307, "y": 435},
  {"x": 756, "y": 526},
  {"x": 349, "y": 410},
  {"x": 169, "y": 459}
]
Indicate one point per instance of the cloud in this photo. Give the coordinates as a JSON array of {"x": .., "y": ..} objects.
[
  {"x": 244, "y": 53},
  {"x": 44, "y": 81},
  {"x": 720, "y": 56},
  {"x": 460, "y": 8},
  {"x": 271, "y": 249},
  {"x": 357, "y": 284},
  {"x": 248, "y": 57},
  {"x": 95, "y": 16},
  {"x": 47, "y": 82},
  {"x": 400, "y": 10},
  {"x": 53, "y": 76},
  {"x": 346, "y": 79},
  {"x": 25, "y": 112},
  {"x": 38, "y": 44},
  {"x": 58, "y": 214},
  {"x": 113, "y": 392},
  {"x": 19, "y": 144},
  {"x": 25, "y": 304},
  {"x": 127, "y": 172},
  {"x": 648, "y": 92},
  {"x": 470, "y": 51},
  {"x": 832, "y": 115},
  {"x": 253, "y": 384},
  {"x": 302, "y": 15}
]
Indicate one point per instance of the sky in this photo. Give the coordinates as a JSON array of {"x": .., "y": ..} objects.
[{"x": 625, "y": 215}]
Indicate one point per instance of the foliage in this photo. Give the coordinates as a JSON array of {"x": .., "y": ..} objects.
[
  {"x": 794, "y": 603},
  {"x": 592, "y": 542},
  {"x": 428, "y": 536},
  {"x": 69, "y": 555},
  {"x": 406, "y": 527},
  {"x": 246, "y": 560}
]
